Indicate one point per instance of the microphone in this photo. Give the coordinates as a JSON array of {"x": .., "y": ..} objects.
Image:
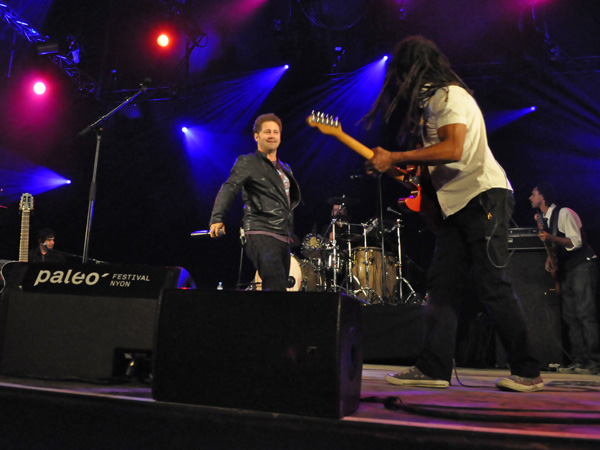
[
  {"x": 207, "y": 233},
  {"x": 394, "y": 211}
]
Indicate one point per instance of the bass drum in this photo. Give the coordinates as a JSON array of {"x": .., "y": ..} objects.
[
  {"x": 367, "y": 274},
  {"x": 304, "y": 273}
]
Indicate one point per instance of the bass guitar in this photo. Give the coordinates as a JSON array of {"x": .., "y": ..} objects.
[
  {"x": 26, "y": 206},
  {"x": 550, "y": 251},
  {"x": 411, "y": 177}
]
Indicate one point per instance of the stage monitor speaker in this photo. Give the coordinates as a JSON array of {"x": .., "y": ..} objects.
[
  {"x": 76, "y": 321},
  {"x": 296, "y": 352},
  {"x": 541, "y": 304}
]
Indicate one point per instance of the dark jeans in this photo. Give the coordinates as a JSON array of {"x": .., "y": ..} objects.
[
  {"x": 472, "y": 246},
  {"x": 578, "y": 297},
  {"x": 271, "y": 257}
]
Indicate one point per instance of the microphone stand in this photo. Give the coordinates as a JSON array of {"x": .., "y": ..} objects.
[{"x": 97, "y": 126}]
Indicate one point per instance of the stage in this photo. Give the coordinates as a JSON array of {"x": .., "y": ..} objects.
[{"x": 50, "y": 414}]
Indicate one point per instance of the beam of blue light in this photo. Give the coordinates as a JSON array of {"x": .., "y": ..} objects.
[
  {"x": 224, "y": 120},
  {"x": 495, "y": 121},
  {"x": 348, "y": 96},
  {"x": 233, "y": 104},
  {"x": 205, "y": 151},
  {"x": 33, "y": 180}
]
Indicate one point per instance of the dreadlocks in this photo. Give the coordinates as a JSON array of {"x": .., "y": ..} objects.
[{"x": 420, "y": 69}]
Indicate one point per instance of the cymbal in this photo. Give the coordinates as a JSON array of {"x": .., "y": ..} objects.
[
  {"x": 341, "y": 217},
  {"x": 348, "y": 236},
  {"x": 343, "y": 200}
]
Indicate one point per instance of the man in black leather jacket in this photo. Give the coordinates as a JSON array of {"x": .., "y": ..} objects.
[{"x": 270, "y": 194}]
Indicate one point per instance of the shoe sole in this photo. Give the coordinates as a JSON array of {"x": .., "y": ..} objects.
[
  {"x": 516, "y": 387},
  {"x": 437, "y": 384}
]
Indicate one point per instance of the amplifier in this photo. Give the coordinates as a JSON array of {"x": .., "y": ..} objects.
[
  {"x": 524, "y": 239},
  {"x": 80, "y": 320}
]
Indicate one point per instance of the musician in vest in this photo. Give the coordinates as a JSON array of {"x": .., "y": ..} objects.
[
  {"x": 577, "y": 274},
  {"x": 476, "y": 201},
  {"x": 270, "y": 194}
]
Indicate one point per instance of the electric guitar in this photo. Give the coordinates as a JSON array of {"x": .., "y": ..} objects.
[
  {"x": 411, "y": 177},
  {"x": 26, "y": 206},
  {"x": 550, "y": 251}
]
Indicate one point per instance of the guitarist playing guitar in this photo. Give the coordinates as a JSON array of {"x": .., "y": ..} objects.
[{"x": 476, "y": 200}]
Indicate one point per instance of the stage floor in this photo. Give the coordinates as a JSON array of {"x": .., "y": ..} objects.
[{"x": 471, "y": 412}]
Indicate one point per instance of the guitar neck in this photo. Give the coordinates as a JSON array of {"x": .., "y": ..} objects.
[
  {"x": 24, "y": 244},
  {"x": 355, "y": 145}
]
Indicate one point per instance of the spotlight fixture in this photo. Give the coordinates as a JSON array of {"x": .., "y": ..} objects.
[
  {"x": 39, "y": 88},
  {"x": 162, "y": 40},
  {"x": 47, "y": 48}
]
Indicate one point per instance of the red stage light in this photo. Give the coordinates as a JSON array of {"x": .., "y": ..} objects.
[{"x": 162, "y": 40}]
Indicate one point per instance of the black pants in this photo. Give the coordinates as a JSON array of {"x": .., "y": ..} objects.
[
  {"x": 472, "y": 247},
  {"x": 271, "y": 258}
]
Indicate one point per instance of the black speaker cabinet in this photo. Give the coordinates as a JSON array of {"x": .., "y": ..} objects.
[
  {"x": 76, "y": 321},
  {"x": 535, "y": 288},
  {"x": 295, "y": 352}
]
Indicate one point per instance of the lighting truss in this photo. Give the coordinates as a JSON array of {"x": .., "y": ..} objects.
[
  {"x": 19, "y": 26},
  {"x": 85, "y": 83}
]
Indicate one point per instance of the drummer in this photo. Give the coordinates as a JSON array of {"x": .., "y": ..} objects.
[{"x": 339, "y": 216}]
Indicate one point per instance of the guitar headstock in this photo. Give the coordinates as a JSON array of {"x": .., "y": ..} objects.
[
  {"x": 325, "y": 123},
  {"x": 26, "y": 203}
]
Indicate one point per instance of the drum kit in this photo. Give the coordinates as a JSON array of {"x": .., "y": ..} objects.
[{"x": 344, "y": 259}]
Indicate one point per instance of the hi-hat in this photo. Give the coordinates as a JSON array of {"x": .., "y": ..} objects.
[{"x": 343, "y": 200}]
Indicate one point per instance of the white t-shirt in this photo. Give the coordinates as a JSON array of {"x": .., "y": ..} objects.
[{"x": 477, "y": 171}]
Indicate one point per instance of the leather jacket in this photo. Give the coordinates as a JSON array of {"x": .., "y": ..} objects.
[{"x": 266, "y": 206}]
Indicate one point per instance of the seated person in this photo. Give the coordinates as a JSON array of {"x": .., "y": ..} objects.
[{"x": 44, "y": 250}]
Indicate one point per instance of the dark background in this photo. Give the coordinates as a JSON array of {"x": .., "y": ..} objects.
[{"x": 512, "y": 53}]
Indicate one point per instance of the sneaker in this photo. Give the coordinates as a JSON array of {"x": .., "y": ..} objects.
[
  {"x": 414, "y": 377},
  {"x": 573, "y": 368},
  {"x": 520, "y": 384}
]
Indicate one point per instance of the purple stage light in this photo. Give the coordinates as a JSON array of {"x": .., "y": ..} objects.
[{"x": 39, "y": 88}]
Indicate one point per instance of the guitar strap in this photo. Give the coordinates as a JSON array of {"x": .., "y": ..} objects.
[{"x": 553, "y": 222}]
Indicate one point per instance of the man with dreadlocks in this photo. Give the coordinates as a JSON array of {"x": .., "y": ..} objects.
[{"x": 476, "y": 201}]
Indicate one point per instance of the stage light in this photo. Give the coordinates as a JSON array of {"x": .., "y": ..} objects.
[
  {"x": 286, "y": 67},
  {"x": 162, "y": 40},
  {"x": 39, "y": 88},
  {"x": 184, "y": 129},
  {"x": 385, "y": 58},
  {"x": 533, "y": 108}
]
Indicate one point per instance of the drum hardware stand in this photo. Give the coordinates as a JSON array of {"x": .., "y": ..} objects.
[
  {"x": 335, "y": 262},
  {"x": 370, "y": 294},
  {"x": 401, "y": 279},
  {"x": 242, "y": 247},
  {"x": 382, "y": 239}
]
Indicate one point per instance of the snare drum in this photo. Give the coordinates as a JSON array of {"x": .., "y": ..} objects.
[
  {"x": 305, "y": 274},
  {"x": 368, "y": 260}
]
